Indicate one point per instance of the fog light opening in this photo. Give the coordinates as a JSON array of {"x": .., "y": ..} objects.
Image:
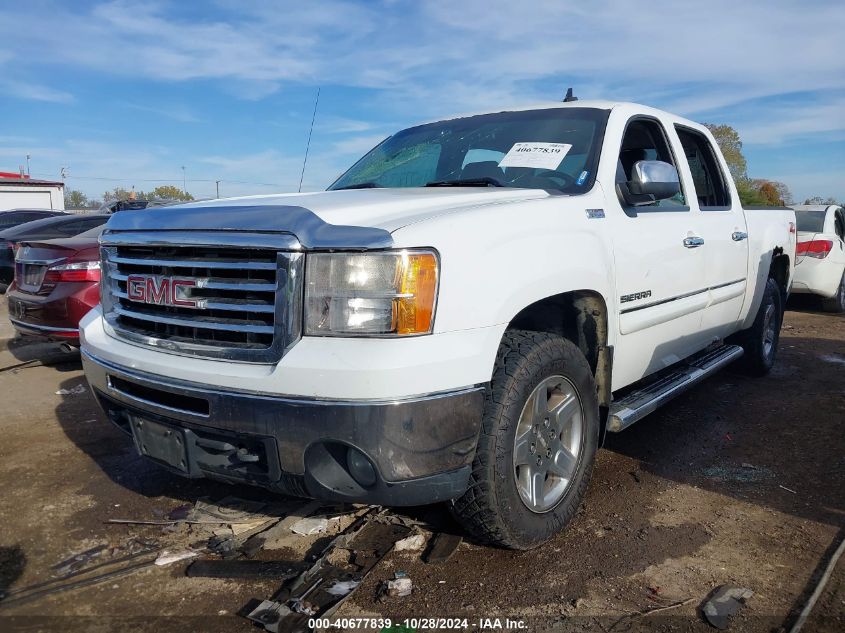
[{"x": 360, "y": 467}]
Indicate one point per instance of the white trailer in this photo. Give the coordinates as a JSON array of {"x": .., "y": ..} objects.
[{"x": 28, "y": 193}]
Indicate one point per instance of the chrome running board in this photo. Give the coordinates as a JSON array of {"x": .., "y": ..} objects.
[{"x": 677, "y": 379}]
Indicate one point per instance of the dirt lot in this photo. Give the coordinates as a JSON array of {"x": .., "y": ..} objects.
[{"x": 739, "y": 481}]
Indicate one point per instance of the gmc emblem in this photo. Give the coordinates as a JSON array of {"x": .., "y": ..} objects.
[{"x": 162, "y": 291}]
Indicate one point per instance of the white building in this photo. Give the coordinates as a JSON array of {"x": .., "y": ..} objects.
[{"x": 22, "y": 192}]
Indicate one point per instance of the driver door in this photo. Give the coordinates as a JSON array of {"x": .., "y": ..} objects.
[{"x": 659, "y": 264}]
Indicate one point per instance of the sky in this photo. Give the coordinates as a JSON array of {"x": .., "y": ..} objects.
[{"x": 127, "y": 93}]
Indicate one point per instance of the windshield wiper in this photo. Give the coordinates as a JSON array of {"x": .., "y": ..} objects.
[
  {"x": 485, "y": 181},
  {"x": 360, "y": 185}
]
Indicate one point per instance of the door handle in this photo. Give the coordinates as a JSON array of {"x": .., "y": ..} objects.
[
  {"x": 738, "y": 236},
  {"x": 693, "y": 242}
]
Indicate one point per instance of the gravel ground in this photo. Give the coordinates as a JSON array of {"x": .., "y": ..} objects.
[{"x": 738, "y": 481}]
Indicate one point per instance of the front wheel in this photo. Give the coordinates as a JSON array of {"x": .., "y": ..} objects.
[
  {"x": 837, "y": 302},
  {"x": 537, "y": 445}
]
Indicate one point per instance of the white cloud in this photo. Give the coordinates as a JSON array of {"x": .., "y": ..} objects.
[
  {"x": 435, "y": 56},
  {"x": 176, "y": 112},
  {"x": 358, "y": 145},
  {"x": 35, "y": 92}
]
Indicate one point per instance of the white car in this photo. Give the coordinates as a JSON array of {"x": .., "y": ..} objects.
[
  {"x": 820, "y": 254},
  {"x": 460, "y": 318}
]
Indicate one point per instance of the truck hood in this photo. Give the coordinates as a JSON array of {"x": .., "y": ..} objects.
[{"x": 363, "y": 217}]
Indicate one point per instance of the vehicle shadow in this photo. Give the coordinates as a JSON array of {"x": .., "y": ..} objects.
[
  {"x": 775, "y": 441},
  {"x": 12, "y": 565},
  {"x": 26, "y": 351},
  {"x": 808, "y": 304},
  {"x": 113, "y": 452}
]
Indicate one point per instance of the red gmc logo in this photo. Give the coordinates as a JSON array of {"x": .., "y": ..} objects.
[{"x": 160, "y": 290}]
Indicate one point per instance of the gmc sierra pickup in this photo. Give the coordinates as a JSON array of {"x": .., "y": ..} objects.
[{"x": 461, "y": 317}]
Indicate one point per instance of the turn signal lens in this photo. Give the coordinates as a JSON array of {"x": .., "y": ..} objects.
[{"x": 415, "y": 305}]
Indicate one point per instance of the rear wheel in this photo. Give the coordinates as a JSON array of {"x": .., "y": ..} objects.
[
  {"x": 537, "y": 443},
  {"x": 760, "y": 341},
  {"x": 837, "y": 302}
]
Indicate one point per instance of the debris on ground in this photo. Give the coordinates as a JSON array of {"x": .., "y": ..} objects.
[
  {"x": 343, "y": 587},
  {"x": 724, "y": 602},
  {"x": 241, "y": 515},
  {"x": 638, "y": 614},
  {"x": 75, "y": 561},
  {"x": 442, "y": 547},
  {"x": 180, "y": 512},
  {"x": 258, "y": 569},
  {"x": 73, "y": 391},
  {"x": 133, "y": 556},
  {"x": 310, "y": 526},
  {"x": 278, "y": 535},
  {"x": 399, "y": 587},
  {"x": 318, "y": 591},
  {"x": 411, "y": 544},
  {"x": 168, "y": 557}
]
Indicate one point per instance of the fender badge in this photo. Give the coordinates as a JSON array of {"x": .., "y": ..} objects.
[{"x": 594, "y": 214}]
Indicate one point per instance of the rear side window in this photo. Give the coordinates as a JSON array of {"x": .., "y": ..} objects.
[
  {"x": 709, "y": 182},
  {"x": 810, "y": 221},
  {"x": 13, "y": 219}
]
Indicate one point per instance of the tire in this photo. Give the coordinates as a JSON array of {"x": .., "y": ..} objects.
[
  {"x": 837, "y": 302},
  {"x": 522, "y": 506},
  {"x": 760, "y": 341}
]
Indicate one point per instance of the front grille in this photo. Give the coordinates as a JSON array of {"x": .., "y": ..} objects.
[{"x": 232, "y": 302}]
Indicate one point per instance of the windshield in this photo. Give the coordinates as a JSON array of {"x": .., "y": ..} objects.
[
  {"x": 810, "y": 221},
  {"x": 553, "y": 149}
]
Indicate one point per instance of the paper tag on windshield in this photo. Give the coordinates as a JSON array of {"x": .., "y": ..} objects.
[{"x": 536, "y": 155}]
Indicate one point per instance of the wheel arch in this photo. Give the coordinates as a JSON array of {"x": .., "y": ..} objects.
[
  {"x": 580, "y": 316},
  {"x": 779, "y": 271}
]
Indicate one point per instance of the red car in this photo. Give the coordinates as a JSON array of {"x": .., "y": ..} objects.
[{"x": 56, "y": 283}]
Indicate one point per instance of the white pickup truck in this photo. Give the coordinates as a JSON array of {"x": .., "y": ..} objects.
[{"x": 461, "y": 317}]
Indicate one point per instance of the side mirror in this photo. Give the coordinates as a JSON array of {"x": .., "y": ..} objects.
[{"x": 652, "y": 180}]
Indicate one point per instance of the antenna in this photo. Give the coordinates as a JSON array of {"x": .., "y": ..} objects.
[
  {"x": 569, "y": 96},
  {"x": 308, "y": 146}
]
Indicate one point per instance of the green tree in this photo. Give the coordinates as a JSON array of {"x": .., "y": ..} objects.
[
  {"x": 119, "y": 193},
  {"x": 731, "y": 146},
  {"x": 820, "y": 200},
  {"x": 169, "y": 192},
  {"x": 759, "y": 191},
  {"x": 773, "y": 192},
  {"x": 75, "y": 199}
]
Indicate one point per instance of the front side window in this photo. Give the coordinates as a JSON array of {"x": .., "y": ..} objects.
[
  {"x": 503, "y": 149},
  {"x": 645, "y": 139},
  {"x": 707, "y": 177}
]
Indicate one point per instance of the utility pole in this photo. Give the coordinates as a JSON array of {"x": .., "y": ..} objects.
[
  {"x": 63, "y": 172},
  {"x": 217, "y": 183},
  {"x": 27, "y": 165},
  {"x": 184, "y": 182}
]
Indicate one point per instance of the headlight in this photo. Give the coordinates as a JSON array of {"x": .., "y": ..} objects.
[{"x": 361, "y": 294}]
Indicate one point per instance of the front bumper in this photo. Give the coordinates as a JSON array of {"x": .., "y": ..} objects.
[{"x": 421, "y": 449}]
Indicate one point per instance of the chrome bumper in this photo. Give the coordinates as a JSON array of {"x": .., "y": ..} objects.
[{"x": 421, "y": 448}]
